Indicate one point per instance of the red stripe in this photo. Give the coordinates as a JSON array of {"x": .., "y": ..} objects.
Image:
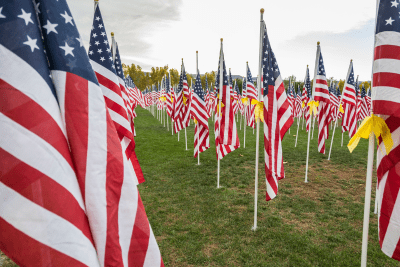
[
  {"x": 322, "y": 81},
  {"x": 42, "y": 190},
  {"x": 386, "y": 79},
  {"x": 387, "y": 51},
  {"x": 117, "y": 108},
  {"x": 17, "y": 106},
  {"x": 114, "y": 180},
  {"x": 26, "y": 251},
  {"x": 109, "y": 84},
  {"x": 77, "y": 123},
  {"x": 140, "y": 237}
]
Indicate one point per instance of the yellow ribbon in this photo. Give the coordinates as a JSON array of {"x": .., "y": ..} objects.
[
  {"x": 376, "y": 125},
  {"x": 259, "y": 110},
  {"x": 313, "y": 107},
  {"x": 341, "y": 108},
  {"x": 163, "y": 98},
  {"x": 172, "y": 99},
  {"x": 184, "y": 99},
  {"x": 303, "y": 105},
  {"x": 195, "y": 121},
  {"x": 245, "y": 100}
]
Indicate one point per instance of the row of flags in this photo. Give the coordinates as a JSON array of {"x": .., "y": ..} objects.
[{"x": 83, "y": 193}]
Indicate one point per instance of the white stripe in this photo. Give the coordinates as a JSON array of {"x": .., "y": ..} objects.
[
  {"x": 104, "y": 72},
  {"x": 26, "y": 146},
  {"x": 95, "y": 183},
  {"x": 110, "y": 94},
  {"x": 31, "y": 84},
  {"x": 59, "y": 80},
  {"x": 127, "y": 210},
  {"x": 116, "y": 117},
  {"x": 45, "y": 227},
  {"x": 386, "y": 65},
  {"x": 387, "y": 38},
  {"x": 153, "y": 256},
  {"x": 391, "y": 94}
]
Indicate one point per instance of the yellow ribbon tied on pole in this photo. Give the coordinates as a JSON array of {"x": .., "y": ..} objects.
[
  {"x": 184, "y": 99},
  {"x": 303, "y": 105},
  {"x": 341, "y": 108},
  {"x": 222, "y": 105},
  {"x": 172, "y": 99},
  {"x": 245, "y": 100},
  {"x": 313, "y": 107},
  {"x": 195, "y": 121},
  {"x": 376, "y": 125},
  {"x": 259, "y": 110},
  {"x": 162, "y": 98}
]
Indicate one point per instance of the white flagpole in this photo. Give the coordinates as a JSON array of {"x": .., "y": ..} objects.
[
  {"x": 342, "y": 138},
  {"x": 297, "y": 134},
  {"x": 302, "y": 125},
  {"x": 367, "y": 202},
  {"x": 221, "y": 80},
  {"x": 259, "y": 121},
  {"x": 197, "y": 124},
  {"x": 313, "y": 124},
  {"x": 337, "y": 114},
  {"x": 309, "y": 131}
]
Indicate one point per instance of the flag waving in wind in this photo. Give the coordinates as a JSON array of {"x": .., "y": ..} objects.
[
  {"x": 277, "y": 117},
  {"x": 321, "y": 94}
]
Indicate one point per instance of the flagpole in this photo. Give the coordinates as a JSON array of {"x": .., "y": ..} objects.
[
  {"x": 311, "y": 109},
  {"x": 197, "y": 124},
  {"x": 297, "y": 134},
  {"x": 337, "y": 114},
  {"x": 260, "y": 54},
  {"x": 221, "y": 80}
]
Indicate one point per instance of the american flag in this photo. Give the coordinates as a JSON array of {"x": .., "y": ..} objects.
[
  {"x": 368, "y": 100},
  {"x": 290, "y": 96},
  {"x": 386, "y": 101},
  {"x": 364, "y": 105},
  {"x": 179, "y": 107},
  {"x": 42, "y": 211},
  {"x": 349, "y": 121},
  {"x": 334, "y": 103},
  {"x": 207, "y": 98},
  {"x": 236, "y": 98},
  {"x": 321, "y": 94},
  {"x": 358, "y": 101},
  {"x": 307, "y": 97},
  {"x": 199, "y": 112},
  {"x": 188, "y": 102},
  {"x": 105, "y": 70},
  {"x": 169, "y": 96},
  {"x": 339, "y": 96},
  {"x": 297, "y": 104},
  {"x": 226, "y": 138},
  {"x": 277, "y": 117},
  {"x": 251, "y": 93},
  {"x": 102, "y": 173}
]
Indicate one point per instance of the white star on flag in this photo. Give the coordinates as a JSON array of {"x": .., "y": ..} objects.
[
  {"x": 1, "y": 15},
  {"x": 50, "y": 27},
  {"x": 389, "y": 21},
  {"x": 26, "y": 16},
  {"x": 394, "y": 4},
  {"x": 31, "y": 43},
  {"x": 67, "y": 49},
  {"x": 94, "y": 35},
  {"x": 102, "y": 59},
  {"x": 97, "y": 43},
  {"x": 67, "y": 18}
]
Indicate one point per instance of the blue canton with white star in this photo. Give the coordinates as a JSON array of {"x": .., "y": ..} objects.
[
  {"x": 363, "y": 93},
  {"x": 198, "y": 89},
  {"x": 307, "y": 84},
  {"x": 65, "y": 49},
  {"x": 20, "y": 34},
  {"x": 321, "y": 68},
  {"x": 167, "y": 85},
  {"x": 118, "y": 63},
  {"x": 388, "y": 18},
  {"x": 99, "y": 47},
  {"x": 350, "y": 80},
  {"x": 269, "y": 64}
]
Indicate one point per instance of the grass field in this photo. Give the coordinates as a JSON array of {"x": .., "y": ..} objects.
[{"x": 308, "y": 224}]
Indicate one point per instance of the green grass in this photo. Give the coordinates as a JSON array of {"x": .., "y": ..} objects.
[{"x": 308, "y": 224}]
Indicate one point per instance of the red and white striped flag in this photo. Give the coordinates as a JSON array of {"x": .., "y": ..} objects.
[
  {"x": 307, "y": 97},
  {"x": 321, "y": 94},
  {"x": 226, "y": 138},
  {"x": 349, "y": 121},
  {"x": 199, "y": 113},
  {"x": 277, "y": 117},
  {"x": 386, "y": 102}
]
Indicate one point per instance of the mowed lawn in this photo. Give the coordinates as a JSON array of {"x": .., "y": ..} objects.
[{"x": 318, "y": 223}]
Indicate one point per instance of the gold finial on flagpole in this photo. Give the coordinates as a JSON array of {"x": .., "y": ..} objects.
[
  {"x": 307, "y": 66},
  {"x": 351, "y": 60},
  {"x": 222, "y": 39},
  {"x": 262, "y": 10},
  {"x": 112, "y": 33},
  {"x": 318, "y": 43}
]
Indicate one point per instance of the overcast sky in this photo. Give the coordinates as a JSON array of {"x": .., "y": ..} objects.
[{"x": 160, "y": 32}]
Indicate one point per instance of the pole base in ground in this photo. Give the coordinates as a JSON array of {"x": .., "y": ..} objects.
[{"x": 253, "y": 228}]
